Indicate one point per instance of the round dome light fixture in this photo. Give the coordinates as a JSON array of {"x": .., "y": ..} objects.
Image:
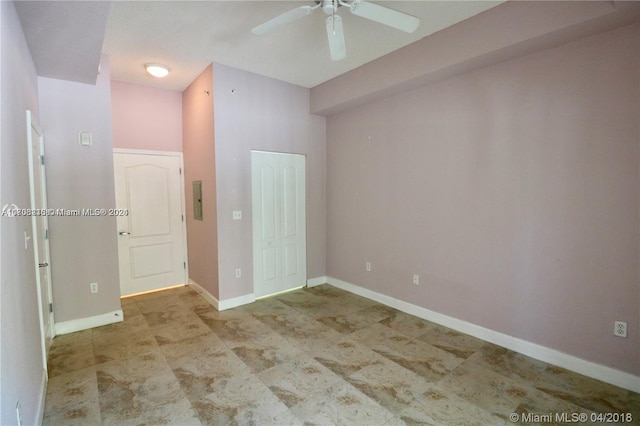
[{"x": 157, "y": 70}]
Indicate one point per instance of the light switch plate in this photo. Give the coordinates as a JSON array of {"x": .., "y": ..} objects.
[
  {"x": 85, "y": 139},
  {"x": 237, "y": 214}
]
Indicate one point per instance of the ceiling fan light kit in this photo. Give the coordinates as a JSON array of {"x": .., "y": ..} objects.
[{"x": 335, "y": 32}]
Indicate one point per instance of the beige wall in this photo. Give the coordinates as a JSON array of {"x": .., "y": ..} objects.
[
  {"x": 83, "y": 249},
  {"x": 264, "y": 114},
  {"x": 200, "y": 165},
  {"x": 146, "y": 118},
  {"x": 511, "y": 190}
]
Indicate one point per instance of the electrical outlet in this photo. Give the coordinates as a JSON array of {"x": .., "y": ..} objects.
[
  {"x": 368, "y": 266},
  {"x": 93, "y": 287},
  {"x": 416, "y": 279},
  {"x": 620, "y": 329},
  {"x": 238, "y": 273}
]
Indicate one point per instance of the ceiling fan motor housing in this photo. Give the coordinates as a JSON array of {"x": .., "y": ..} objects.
[{"x": 329, "y": 6}]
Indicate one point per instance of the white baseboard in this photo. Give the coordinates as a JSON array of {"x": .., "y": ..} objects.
[
  {"x": 222, "y": 305},
  {"x": 80, "y": 324},
  {"x": 312, "y": 282},
  {"x": 533, "y": 350},
  {"x": 236, "y": 301},
  {"x": 41, "y": 398},
  {"x": 204, "y": 293}
]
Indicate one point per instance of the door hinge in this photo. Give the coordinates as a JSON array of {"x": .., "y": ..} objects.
[
  {"x": 183, "y": 218},
  {"x": 50, "y": 308},
  {"x": 180, "y": 169},
  {"x": 46, "y": 234},
  {"x": 185, "y": 265},
  {"x": 42, "y": 160}
]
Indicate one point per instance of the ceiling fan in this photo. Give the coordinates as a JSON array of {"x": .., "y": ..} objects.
[{"x": 374, "y": 12}]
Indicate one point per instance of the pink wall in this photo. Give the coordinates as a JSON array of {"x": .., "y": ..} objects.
[
  {"x": 83, "y": 249},
  {"x": 264, "y": 114},
  {"x": 146, "y": 118},
  {"x": 513, "y": 28},
  {"x": 22, "y": 376},
  {"x": 200, "y": 165},
  {"x": 512, "y": 190}
]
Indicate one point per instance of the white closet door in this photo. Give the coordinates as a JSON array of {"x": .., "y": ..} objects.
[{"x": 279, "y": 222}]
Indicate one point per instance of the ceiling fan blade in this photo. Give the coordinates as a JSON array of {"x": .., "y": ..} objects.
[
  {"x": 384, "y": 15},
  {"x": 285, "y": 18},
  {"x": 336, "y": 37}
]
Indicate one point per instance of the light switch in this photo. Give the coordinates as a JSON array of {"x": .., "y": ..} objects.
[
  {"x": 85, "y": 139},
  {"x": 237, "y": 214}
]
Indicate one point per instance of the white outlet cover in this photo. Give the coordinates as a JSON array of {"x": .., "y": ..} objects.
[{"x": 620, "y": 329}]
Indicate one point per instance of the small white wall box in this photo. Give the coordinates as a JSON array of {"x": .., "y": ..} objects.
[{"x": 85, "y": 139}]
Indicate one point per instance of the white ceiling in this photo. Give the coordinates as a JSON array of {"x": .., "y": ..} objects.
[
  {"x": 67, "y": 37},
  {"x": 187, "y": 36}
]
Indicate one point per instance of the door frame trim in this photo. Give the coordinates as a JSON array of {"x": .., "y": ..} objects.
[
  {"x": 180, "y": 157},
  {"x": 33, "y": 125}
]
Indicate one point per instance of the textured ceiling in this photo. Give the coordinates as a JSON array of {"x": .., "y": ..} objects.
[
  {"x": 187, "y": 36},
  {"x": 66, "y": 38}
]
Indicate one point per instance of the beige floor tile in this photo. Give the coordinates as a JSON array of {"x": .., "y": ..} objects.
[
  {"x": 585, "y": 392},
  {"x": 459, "y": 344},
  {"x": 194, "y": 301},
  {"x": 380, "y": 338},
  {"x": 197, "y": 347},
  {"x": 344, "y": 357},
  {"x": 130, "y": 388},
  {"x": 389, "y": 384},
  {"x": 426, "y": 361},
  {"x": 113, "y": 332},
  {"x": 72, "y": 398},
  {"x": 124, "y": 346},
  {"x": 267, "y": 306},
  {"x": 298, "y": 380},
  {"x": 487, "y": 389},
  {"x": 68, "y": 357},
  {"x": 406, "y": 324},
  {"x": 179, "y": 413},
  {"x": 436, "y": 406},
  {"x": 198, "y": 375},
  {"x": 238, "y": 331},
  {"x": 158, "y": 302},
  {"x": 539, "y": 403},
  {"x": 341, "y": 404},
  {"x": 267, "y": 351},
  {"x": 313, "y": 356},
  {"x": 377, "y": 312},
  {"x": 242, "y": 401},
  {"x": 189, "y": 325},
  {"x": 344, "y": 324},
  {"x": 171, "y": 316}
]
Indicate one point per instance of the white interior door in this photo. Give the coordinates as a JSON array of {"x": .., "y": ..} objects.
[
  {"x": 279, "y": 222},
  {"x": 151, "y": 240},
  {"x": 40, "y": 225}
]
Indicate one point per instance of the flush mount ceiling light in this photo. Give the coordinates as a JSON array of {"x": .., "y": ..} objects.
[{"x": 157, "y": 70}]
